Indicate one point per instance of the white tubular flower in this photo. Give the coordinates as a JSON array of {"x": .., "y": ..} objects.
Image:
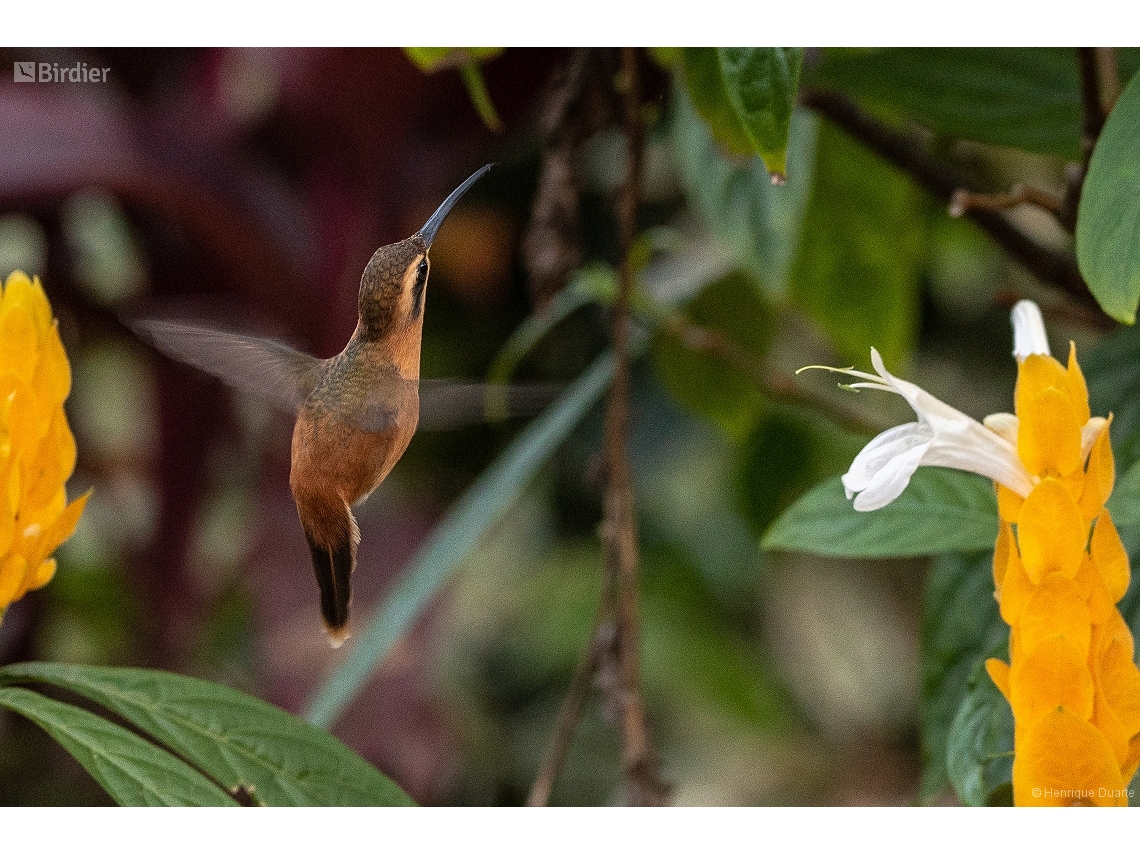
[{"x": 942, "y": 436}]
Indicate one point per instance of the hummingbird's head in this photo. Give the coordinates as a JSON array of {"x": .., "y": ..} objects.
[{"x": 392, "y": 287}]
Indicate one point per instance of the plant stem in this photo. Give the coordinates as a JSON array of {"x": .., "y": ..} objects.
[{"x": 619, "y": 527}]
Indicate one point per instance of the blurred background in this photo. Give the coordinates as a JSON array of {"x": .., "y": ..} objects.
[{"x": 255, "y": 184}]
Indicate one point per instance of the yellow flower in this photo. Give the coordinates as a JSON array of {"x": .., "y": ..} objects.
[
  {"x": 1059, "y": 570},
  {"x": 1059, "y": 566},
  {"x": 37, "y": 450}
]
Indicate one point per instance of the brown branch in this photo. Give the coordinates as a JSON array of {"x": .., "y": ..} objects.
[
  {"x": 908, "y": 153},
  {"x": 1093, "y": 115},
  {"x": 602, "y": 636},
  {"x": 574, "y": 109},
  {"x": 1092, "y": 107},
  {"x": 1109, "y": 77},
  {"x": 1020, "y": 194},
  {"x": 619, "y": 527},
  {"x": 613, "y": 652}
]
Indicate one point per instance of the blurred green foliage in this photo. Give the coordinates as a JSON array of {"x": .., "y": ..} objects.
[
  {"x": 857, "y": 275},
  {"x": 1026, "y": 98}
]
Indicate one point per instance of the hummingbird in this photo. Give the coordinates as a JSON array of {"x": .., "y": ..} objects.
[{"x": 356, "y": 412}]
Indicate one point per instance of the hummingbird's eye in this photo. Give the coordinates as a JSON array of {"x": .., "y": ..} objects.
[{"x": 418, "y": 288}]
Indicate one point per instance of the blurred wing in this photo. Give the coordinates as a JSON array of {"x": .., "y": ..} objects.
[
  {"x": 386, "y": 395},
  {"x": 447, "y": 404},
  {"x": 260, "y": 366}
]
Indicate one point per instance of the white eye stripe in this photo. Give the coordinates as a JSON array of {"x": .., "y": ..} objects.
[{"x": 418, "y": 287}]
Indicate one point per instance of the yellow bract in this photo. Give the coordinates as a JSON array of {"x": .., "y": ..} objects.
[
  {"x": 37, "y": 450},
  {"x": 1071, "y": 681}
]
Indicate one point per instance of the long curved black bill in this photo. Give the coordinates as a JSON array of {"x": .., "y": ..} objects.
[{"x": 436, "y": 219}]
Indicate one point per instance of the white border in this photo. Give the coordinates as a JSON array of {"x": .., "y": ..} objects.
[{"x": 78, "y": 23}]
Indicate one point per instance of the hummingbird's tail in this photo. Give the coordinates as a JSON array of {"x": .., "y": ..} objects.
[{"x": 332, "y": 540}]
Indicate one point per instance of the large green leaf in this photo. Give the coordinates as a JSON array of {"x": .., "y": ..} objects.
[
  {"x": 757, "y": 222},
  {"x": 1023, "y": 97},
  {"x": 240, "y": 741},
  {"x": 132, "y": 771},
  {"x": 941, "y": 510},
  {"x": 961, "y": 627},
  {"x": 979, "y": 746},
  {"x": 761, "y": 86},
  {"x": 862, "y": 250},
  {"x": 1108, "y": 220}
]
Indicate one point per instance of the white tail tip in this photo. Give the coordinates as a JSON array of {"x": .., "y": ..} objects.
[{"x": 337, "y": 637}]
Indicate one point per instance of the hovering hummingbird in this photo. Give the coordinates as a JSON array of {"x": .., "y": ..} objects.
[{"x": 356, "y": 412}]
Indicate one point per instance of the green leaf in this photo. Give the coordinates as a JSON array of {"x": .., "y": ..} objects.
[
  {"x": 979, "y": 746},
  {"x": 961, "y": 627},
  {"x": 1124, "y": 503},
  {"x": 1113, "y": 372},
  {"x": 1028, "y": 98},
  {"x": 727, "y": 394},
  {"x": 862, "y": 251},
  {"x": 430, "y": 59},
  {"x": 775, "y": 467},
  {"x": 757, "y": 222},
  {"x": 761, "y": 87},
  {"x": 133, "y": 771},
  {"x": 466, "y": 60},
  {"x": 478, "y": 509},
  {"x": 238, "y": 740},
  {"x": 941, "y": 510},
  {"x": 705, "y": 81},
  {"x": 788, "y": 451},
  {"x": 480, "y": 97},
  {"x": 667, "y": 57},
  {"x": 1108, "y": 219}
]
